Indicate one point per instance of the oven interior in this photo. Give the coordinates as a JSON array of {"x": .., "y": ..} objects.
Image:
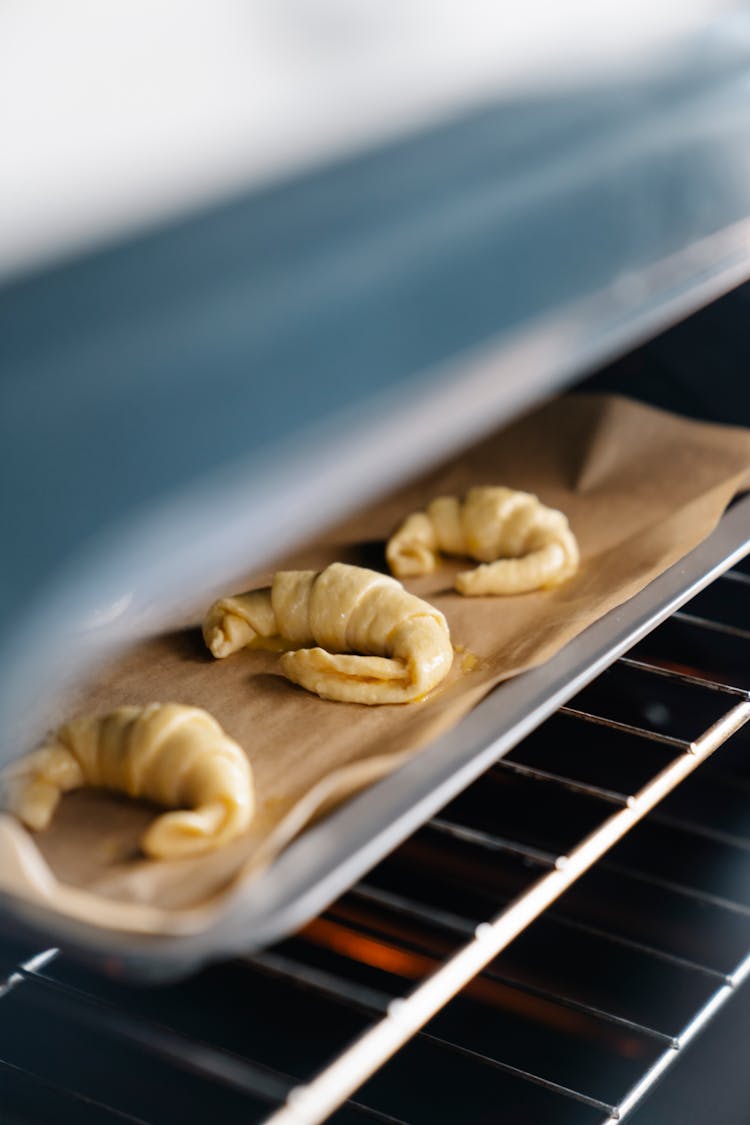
[{"x": 578, "y": 1019}]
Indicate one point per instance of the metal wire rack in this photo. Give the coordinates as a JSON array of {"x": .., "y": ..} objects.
[{"x": 568, "y": 925}]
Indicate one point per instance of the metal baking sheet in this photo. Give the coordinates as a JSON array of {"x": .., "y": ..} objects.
[{"x": 331, "y": 856}]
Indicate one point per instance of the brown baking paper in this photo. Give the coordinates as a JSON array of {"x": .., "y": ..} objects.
[{"x": 641, "y": 488}]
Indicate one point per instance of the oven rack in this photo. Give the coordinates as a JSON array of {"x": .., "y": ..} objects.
[
  {"x": 645, "y": 948},
  {"x": 405, "y": 1017}
]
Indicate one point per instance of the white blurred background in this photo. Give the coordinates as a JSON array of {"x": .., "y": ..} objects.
[{"x": 115, "y": 115}]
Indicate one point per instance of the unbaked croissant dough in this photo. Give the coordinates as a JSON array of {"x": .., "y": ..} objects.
[
  {"x": 343, "y": 609},
  {"x": 171, "y": 754},
  {"x": 522, "y": 544}
]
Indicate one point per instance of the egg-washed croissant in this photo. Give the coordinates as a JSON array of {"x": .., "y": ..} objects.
[
  {"x": 340, "y": 610},
  {"x": 522, "y": 544},
  {"x": 171, "y": 754}
]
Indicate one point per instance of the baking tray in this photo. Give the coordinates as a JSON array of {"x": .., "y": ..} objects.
[{"x": 329, "y": 857}]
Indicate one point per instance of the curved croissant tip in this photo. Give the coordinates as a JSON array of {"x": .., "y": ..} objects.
[
  {"x": 410, "y": 562},
  {"x": 172, "y": 842},
  {"x": 182, "y": 833},
  {"x": 34, "y": 802},
  {"x": 217, "y": 641},
  {"x": 462, "y": 583}
]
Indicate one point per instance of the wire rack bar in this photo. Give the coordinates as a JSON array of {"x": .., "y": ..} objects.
[
  {"x": 683, "y": 677},
  {"x": 637, "y": 1092},
  {"x": 312, "y": 1103},
  {"x": 331, "y": 985},
  {"x": 706, "y": 832},
  {"x": 517, "y": 1072},
  {"x": 737, "y": 576},
  {"x": 201, "y": 1058},
  {"x": 38, "y": 961},
  {"x": 188, "y": 1053},
  {"x": 400, "y": 904},
  {"x": 713, "y": 626},
  {"x": 73, "y": 1096},
  {"x": 611, "y": 796},
  {"x": 511, "y": 982},
  {"x": 627, "y": 728},
  {"x": 638, "y": 946},
  {"x": 719, "y": 901},
  {"x": 352, "y": 995},
  {"x": 421, "y": 912},
  {"x": 492, "y": 842}
]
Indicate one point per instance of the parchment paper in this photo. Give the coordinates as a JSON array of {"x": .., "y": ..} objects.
[{"x": 641, "y": 489}]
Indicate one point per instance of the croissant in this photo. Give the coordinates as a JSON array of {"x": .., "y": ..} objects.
[
  {"x": 168, "y": 753},
  {"x": 341, "y": 610},
  {"x": 522, "y": 544}
]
